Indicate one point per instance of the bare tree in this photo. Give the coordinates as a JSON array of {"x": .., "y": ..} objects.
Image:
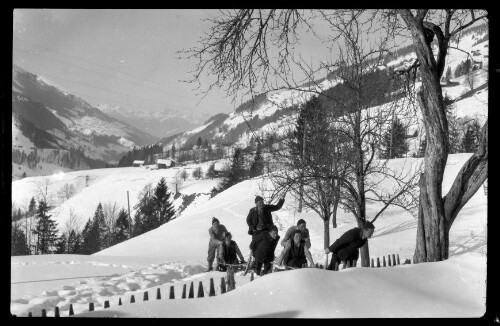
[
  {"x": 177, "y": 181},
  {"x": 437, "y": 213},
  {"x": 248, "y": 48}
]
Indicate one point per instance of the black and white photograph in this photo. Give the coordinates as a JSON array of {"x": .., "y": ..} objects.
[{"x": 249, "y": 163}]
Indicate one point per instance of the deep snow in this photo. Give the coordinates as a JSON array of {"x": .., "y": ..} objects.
[{"x": 175, "y": 254}]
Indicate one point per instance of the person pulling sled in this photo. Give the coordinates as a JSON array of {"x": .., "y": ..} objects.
[{"x": 229, "y": 253}]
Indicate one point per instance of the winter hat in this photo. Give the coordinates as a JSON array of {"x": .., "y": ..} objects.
[
  {"x": 368, "y": 225},
  {"x": 258, "y": 198},
  {"x": 214, "y": 220},
  {"x": 299, "y": 222},
  {"x": 274, "y": 228}
]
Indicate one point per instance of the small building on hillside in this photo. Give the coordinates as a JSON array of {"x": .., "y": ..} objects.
[
  {"x": 163, "y": 163},
  {"x": 221, "y": 169},
  {"x": 138, "y": 163}
]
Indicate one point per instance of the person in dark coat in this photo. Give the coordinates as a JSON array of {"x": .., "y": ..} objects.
[
  {"x": 297, "y": 253},
  {"x": 228, "y": 251},
  {"x": 259, "y": 218},
  {"x": 262, "y": 248},
  {"x": 346, "y": 247}
]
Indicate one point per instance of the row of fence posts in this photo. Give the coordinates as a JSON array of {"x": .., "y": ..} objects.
[
  {"x": 185, "y": 294},
  {"x": 231, "y": 284}
]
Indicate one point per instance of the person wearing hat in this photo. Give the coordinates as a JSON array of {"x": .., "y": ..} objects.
[
  {"x": 216, "y": 232},
  {"x": 297, "y": 252},
  {"x": 228, "y": 251},
  {"x": 259, "y": 218},
  {"x": 346, "y": 247},
  {"x": 287, "y": 239},
  {"x": 262, "y": 248}
]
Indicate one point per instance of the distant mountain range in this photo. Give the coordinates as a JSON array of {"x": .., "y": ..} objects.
[
  {"x": 44, "y": 116},
  {"x": 158, "y": 123}
]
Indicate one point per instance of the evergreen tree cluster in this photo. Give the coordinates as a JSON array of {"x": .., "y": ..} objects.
[
  {"x": 155, "y": 208},
  {"x": 73, "y": 158},
  {"x": 463, "y": 68},
  {"x": 394, "y": 141}
]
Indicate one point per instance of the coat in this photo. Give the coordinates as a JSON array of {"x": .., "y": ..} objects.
[
  {"x": 291, "y": 230},
  {"x": 346, "y": 247},
  {"x": 253, "y": 216},
  {"x": 228, "y": 253},
  {"x": 297, "y": 254},
  {"x": 263, "y": 246},
  {"x": 216, "y": 236}
]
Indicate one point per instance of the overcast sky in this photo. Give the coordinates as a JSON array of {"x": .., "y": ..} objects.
[{"x": 124, "y": 58}]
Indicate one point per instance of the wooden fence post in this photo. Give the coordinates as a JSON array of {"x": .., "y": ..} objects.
[
  {"x": 383, "y": 261},
  {"x": 211, "y": 293},
  {"x": 91, "y": 306},
  {"x": 393, "y": 260},
  {"x": 372, "y": 264},
  {"x": 222, "y": 285},
  {"x": 132, "y": 299},
  {"x": 191, "y": 290},
  {"x": 200, "y": 290},
  {"x": 56, "y": 311},
  {"x": 71, "y": 312},
  {"x": 30, "y": 314},
  {"x": 172, "y": 294},
  {"x": 119, "y": 301},
  {"x": 184, "y": 292},
  {"x": 389, "y": 260},
  {"x": 106, "y": 304},
  {"x": 146, "y": 298},
  {"x": 251, "y": 276},
  {"x": 44, "y": 313},
  {"x": 398, "y": 260},
  {"x": 158, "y": 294},
  {"x": 378, "y": 262}
]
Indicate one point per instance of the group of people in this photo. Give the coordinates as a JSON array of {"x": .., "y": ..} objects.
[{"x": 296, "y": 242}]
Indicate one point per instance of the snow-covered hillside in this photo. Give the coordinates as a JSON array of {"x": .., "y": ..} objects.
[
  {"x": 105, "y": 186},
  {"x": 471, "y": 101},
  {"x": 175, "y": 254}
]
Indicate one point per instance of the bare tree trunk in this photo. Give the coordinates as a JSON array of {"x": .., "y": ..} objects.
[
  {"x": 326, "y": 229},
  {"x": 436, "y": 214}
]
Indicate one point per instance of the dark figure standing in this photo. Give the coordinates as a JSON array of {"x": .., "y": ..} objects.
[
  {"x": 346, "y": 247},
  {"x": 262, "y": 248},
  {"x": 228, "y": 251},
  {"x": 259, "y": 218}
]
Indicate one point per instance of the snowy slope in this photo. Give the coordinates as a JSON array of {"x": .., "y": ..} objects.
[
  {"x": 105, "y": 186},
  {"x": 175, "y": 254}
]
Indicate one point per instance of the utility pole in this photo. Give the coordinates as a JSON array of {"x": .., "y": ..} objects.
[{"x": 129, "y": 219}]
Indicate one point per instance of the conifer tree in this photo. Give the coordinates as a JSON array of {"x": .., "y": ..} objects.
[
  {"x": 74, "y": 242},
  {"x": 470, "y": 141},
  {"x": 448, "y": 74},
  {"x": 146, "y": 218},
  {"x": 61, "y": 245},
  {"x": 394, "y": 141},
  {"x": 46, "y": 230},
  {"x": 162, "y": 203},
  {"x": 121, "y": 227},
  {"x": 257, "y": 166},
  {"x": 19, "y": 245},
  {"x": 90, "y": 238},
  {"x": 99, "y": 222},
  {"x": 237, "y": 172}
]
